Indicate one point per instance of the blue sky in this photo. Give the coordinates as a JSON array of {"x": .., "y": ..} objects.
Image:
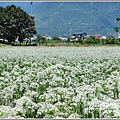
[{"x": 26, "y": 6}]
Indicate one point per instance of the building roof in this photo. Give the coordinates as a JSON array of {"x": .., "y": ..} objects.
[
  {"x": 103, "y": 37},
  {"x": 79, "y": 33},
  {"x": 97, "y": 35}
]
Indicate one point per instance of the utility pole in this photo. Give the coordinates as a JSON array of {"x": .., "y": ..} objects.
[
  {"x": 31, "y": 7},
  {"x": 31, "y": 15},
  {"x": 70, "y": 35}
]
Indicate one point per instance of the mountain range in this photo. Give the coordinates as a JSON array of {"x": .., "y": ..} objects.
[{"x": 61, "y": 18}]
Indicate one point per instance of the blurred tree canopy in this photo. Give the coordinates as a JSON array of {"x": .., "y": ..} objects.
[{"x": 16, "y": 23}]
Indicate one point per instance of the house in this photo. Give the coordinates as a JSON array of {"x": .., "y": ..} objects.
[
  {"x": 110, "y": 35},
  {"x": 49, "y": 38},
  {"x": 117, "y": 35},
  {"x": 103, "y": 37},
  {"x": 77, "y": 35},
  {"x": 98, "y": 36},
  {"x": 63, "y": 38}
]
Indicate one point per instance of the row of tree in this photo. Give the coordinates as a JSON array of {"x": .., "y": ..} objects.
[
  {"x": 89, "y": 40},
  {"x": 93, "y": 40},
  {"x": 16, "y": 24}
]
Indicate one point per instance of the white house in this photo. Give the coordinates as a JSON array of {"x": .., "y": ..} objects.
[{"x": 103, "y": 37}]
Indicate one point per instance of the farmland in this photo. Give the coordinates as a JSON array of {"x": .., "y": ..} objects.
[{"x": 59, "y": 82}]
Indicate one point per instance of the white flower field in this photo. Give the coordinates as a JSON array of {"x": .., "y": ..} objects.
[{"x": 60, "y": 82}]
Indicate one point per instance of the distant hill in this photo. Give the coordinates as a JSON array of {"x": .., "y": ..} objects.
[{"x": 57, "y": 18}]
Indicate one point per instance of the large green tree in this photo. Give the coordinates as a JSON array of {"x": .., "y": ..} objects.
[
  {"x": 16, "y": 23},
  {"x": 118, "y": 19},
  {"x": 40, "y": 39},
  {"x": 117, "y": 28},
  {"x": 2, "y": 20}
]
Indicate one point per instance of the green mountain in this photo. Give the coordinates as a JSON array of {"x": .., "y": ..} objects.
[{"x": 57, "y": 18}]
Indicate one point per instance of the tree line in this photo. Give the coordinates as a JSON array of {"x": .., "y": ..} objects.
[{"x": 90, "y": 40}]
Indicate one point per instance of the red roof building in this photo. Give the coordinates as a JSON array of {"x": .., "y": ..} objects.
[{"x": 97, "y": 36}]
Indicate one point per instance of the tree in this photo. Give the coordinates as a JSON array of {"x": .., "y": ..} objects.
[
  {"x": 118, "y": 19},
  {"x": 56, "y": 39},
  {"x": 110, "y": 41},
  {"x": 16, "y": 23},
  {"x": 80, "y": 40},
  {"x": 2, "y": 21},
  {"x": 116, "y": 30},
  {"x": 40, "y": 39}
]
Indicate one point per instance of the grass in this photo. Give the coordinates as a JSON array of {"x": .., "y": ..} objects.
[{"x": 3, "y": 45}]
